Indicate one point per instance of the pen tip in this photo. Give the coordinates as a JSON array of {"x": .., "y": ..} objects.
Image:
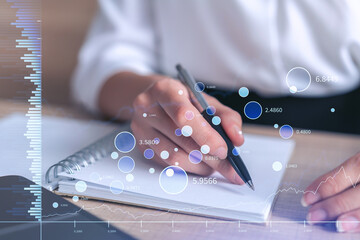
[
  {"x": 178, "y": 67},
  {"x": 251, "y": 185}
]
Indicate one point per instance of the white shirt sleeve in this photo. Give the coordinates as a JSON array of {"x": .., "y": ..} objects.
[{"x": 122, "y": 38}]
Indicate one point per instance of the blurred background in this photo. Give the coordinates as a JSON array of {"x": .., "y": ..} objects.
[{"x": 64, "y": 27}]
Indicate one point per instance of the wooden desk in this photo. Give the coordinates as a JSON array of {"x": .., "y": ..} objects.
[{"x": 314, "y": 155}]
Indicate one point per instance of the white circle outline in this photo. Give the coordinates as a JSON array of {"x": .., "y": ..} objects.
[
  {"x": 277, "y": 164},
  {"x": 260, "y": 109},
  {"x": 111, "y": 186},
  {"x": 122, "y": 170},
  {"x": 287, "y": 83},
  {"x": 187, "y": 180},
  {"x": 131, "y": 135},
  {"x": 292, "y": 131},
  {"x": 166, "y": 153},
  {"x": 200, "y": 154},
  {"x": 199, "y": 83},
  {"x": 246, "y": 89}
]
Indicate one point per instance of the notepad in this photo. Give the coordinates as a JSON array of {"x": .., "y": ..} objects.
[{"x": 265, "y": 157}]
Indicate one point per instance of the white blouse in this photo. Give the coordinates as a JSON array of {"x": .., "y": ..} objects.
[{"x": 227, "y": 43}]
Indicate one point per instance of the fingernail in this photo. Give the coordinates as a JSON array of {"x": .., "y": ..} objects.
[
  {"x": 315, "y": 216},
  {"x": 238, "y": 131},
  {"x": 237, "y": 179},
  {"x": 309, "y": 198},
  {"x": 347, "y": 224},
  {"x": 221, "y": 153}
]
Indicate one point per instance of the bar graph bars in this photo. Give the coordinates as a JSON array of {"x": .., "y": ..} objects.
[{"x": 28, "y": 19}]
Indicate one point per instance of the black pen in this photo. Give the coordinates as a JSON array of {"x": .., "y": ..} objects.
[{"x": 235, "y": 160}]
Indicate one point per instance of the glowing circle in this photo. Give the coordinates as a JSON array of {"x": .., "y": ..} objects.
[
  {"x": 210, "y": 110},
  {"x": 116, "y": 187},
  {"x": 173, "y": 180},
  {"x": 169, "y": 172},
  {"x": 75, "y": 198},
  {"x": 216, "y": 120},
  {"x": 151, "y": 170},
  {"x": 178, "y": 132},
  {"x": 126, "y": 164},
  {"x": 286, "y": 131},
  {"x": 125, "y": 142},
  {"x": 55, "y": 205},
  {"x": 253, "y": 110},
  {"x": 243, "y": 92},
  {"x": 235, "y": 152},
  {"x": 189, "y": 115},
  {"x": 195, "y": 156},
  {"x": 277, "y": 166},
  {"x": 332, "y": 110},
  {"x": 180, "y": 92},
  {"x": 298, "y": 79},
  {"x": 114, "y": 155},
  {"x": 81, "y": 186},
  {"x": 205, "y": 149},
  {"x": 157, "y": 141},
  {"x": 164, "y": 155},
  {"x": 144, "y": 115},
  {"x": 199, "y": 87},
  {"x": 149, "y": 153},
  {"x": 276, "y": 125},
  {"x": 176, "y": 149},
  {"x": 129, "y": 177},
  {"x": 293, "y": 89},
  {"x": 186, "y": 131}
]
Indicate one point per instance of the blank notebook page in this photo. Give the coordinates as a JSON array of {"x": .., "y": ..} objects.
[{"x": 222, "y": 199}]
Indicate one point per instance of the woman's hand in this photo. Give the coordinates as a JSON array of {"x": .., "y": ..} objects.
[
  {"x": 336, "y": 196},
  {"x": 166, "y": 106}
]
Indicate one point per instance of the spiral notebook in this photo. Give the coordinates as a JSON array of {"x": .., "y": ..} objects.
[{"x": 94, "y": 174}]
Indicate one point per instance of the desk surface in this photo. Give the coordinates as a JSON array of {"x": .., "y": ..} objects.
[{"x": 314, "y": 155}]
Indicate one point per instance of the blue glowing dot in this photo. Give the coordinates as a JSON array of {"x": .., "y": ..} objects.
[
  {"x": 286, "y": 131},
  {"x": 126, "y": 164},
  {"x": 210, "y": 110},
  {"x": 195, "y": 156},
  {"x": 235, "y": 152},
  {"x": 55, "y": 205},
  {"x": 114, "y": 155},
  {"x": 199, "y": 87},
  {"x": 243, "y": 92},
  {"x": 276, "y": 125},
  {"x": 216, "y": 120},
  {"x": 75, "y": 198},
  {"x": 253, "y": 110},
  {"x": 157, "y": 141},
  {"x": 173, "y": 180},
  {"x": 332, "y": 110},
  {"x": 178, "y": 132},
  {"x": 149, "y": 153},
  {"x": 124, "y": 142}
]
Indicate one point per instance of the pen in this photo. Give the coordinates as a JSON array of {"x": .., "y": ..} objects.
[{"x": 235, "y": 160}]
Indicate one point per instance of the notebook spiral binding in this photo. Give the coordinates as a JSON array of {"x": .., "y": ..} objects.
[{"x": 81, "y": 159}]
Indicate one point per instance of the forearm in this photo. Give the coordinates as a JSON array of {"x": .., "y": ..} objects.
[{"x": 118, "y": 93}]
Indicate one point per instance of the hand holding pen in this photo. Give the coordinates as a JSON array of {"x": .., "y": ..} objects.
[{"x": 163, "y": 109}]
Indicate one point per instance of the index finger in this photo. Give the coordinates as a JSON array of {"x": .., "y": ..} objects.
[{"x": 333, "y": 182}]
